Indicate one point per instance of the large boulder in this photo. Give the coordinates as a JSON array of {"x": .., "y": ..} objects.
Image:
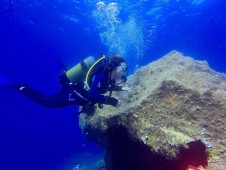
[{"x": 173, "y": 117}]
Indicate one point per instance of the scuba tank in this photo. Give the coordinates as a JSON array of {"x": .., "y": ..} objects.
[
  {"x": 79, "y": 71},
  {"x": 82, "y": 71}
]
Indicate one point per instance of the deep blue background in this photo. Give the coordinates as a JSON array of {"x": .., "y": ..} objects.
[{"x": 34, "y": 34}]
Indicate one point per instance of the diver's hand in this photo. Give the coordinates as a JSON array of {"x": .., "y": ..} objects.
[
  {"x": 126, "y": 88},
  {"x": 111, "y": 101}
]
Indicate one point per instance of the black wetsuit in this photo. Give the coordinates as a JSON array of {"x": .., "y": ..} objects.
[{"x": 76, "y": 94}]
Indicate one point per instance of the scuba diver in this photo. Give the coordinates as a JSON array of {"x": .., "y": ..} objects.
[{"x": 100, "y": 76}]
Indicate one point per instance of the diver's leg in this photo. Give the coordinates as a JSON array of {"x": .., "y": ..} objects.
[
  {"x": 33, "y": 94},
  {"x": 58, "y": 100},
  {"x": 64, "y": 99},
  {"x": 53, "y": 101}
]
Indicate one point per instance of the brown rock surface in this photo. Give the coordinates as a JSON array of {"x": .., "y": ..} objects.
[{"x": 175, "y": 112}]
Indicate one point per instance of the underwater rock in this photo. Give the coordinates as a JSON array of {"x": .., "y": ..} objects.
[{"x": 173, "y": 117}]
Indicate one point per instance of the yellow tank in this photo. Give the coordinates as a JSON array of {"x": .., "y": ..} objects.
[{"x": 78, "y": 72}]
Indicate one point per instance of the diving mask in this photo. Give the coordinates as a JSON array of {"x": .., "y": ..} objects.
[{"x": 124, "y": 69}]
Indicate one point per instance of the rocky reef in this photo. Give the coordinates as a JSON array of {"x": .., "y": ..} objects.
[{"x": 173, "y": 117}]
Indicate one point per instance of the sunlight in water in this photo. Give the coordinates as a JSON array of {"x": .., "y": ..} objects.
[
  {"x": 197, "y": 2},
  {"x": 121, "y": 37}
]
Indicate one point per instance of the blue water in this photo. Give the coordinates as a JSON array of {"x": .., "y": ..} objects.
[{"x": 36, "y": 34}]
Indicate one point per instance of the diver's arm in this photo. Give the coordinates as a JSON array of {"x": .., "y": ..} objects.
[
  {"x": 115, "y": 88},
  {"x": 95, "y": 95}
]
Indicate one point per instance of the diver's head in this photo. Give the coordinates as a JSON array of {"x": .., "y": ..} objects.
[
  {"x": 119, "y": 68},
  {"x": 119, "y": 72}
]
